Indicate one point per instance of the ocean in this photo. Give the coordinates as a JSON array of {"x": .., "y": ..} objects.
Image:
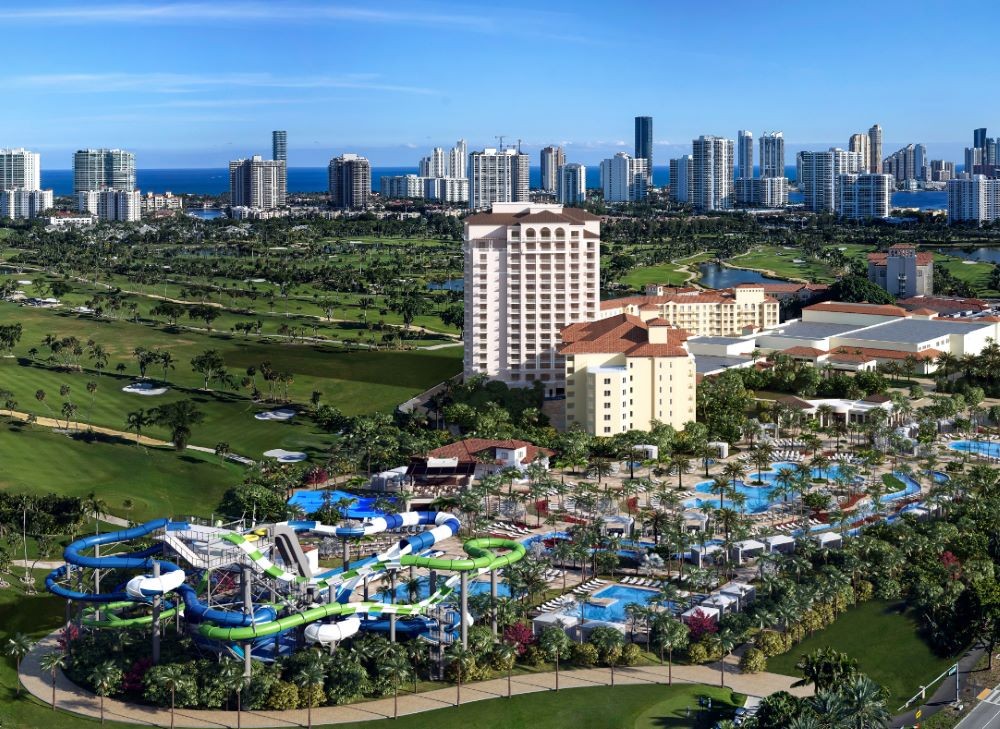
[{"x": 215, "y": 181}]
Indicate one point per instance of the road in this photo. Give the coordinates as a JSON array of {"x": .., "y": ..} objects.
[{"x": 986, "y": 715}]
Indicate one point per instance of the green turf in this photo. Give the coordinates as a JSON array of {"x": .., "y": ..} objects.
[
  {"x": 676, "y": 273},
  {"x": 885, "y": 643},
  {"x": 160, "y": 482},
  {"x": 356, "y": 381},
  {"x": 977, "y": 274},
  {"x": 778, "y": 261}
]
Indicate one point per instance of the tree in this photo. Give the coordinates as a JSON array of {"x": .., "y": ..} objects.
[
  {"x": 506, "y": 653},
  {"x": 169, "y": 678},
  {"x": 205, "y": 313},
  {"x": 669, "y": 633},
  {"x": 136, "y": 421},
  {"x": 54, "y": 662},
  {"x": 210, "y": 365},
  {"x": 556, "y": 645},
  {"x": 230, "y": 675},
  {"x": 722, "y": 403},
  {"x": 609, "y": 643},
  {"x": 858, "y": 289},
  {"x": 724, "y": 641},
  {"x": 178, "y": 417},
  {"x": 454, "y": 316},
  {"x": 825, "y": 668},
  {"x": 311, "y": 675},
  {"x": 463, "y": 661},
  {"x": 106, "y": 677},
  {"x": 395, "y": 666},
  {"x": 10, "y": 335},
  {"x": 17, "y": 647}
]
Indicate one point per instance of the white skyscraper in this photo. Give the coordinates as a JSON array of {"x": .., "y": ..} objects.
[
  {"x": 818, "y": 173},
  {"x": 257, "y": 183},
  {"x": 863, "y": 196},
  {"x": 772, "y": 154},
  {"x": 458, "y": 160},
  {"x": 97, "y": 169},
  {"x": 24, "y": 204},
  {"x": 497, "y": 176},
  {"x": 973, "y": 199},
  {"x": 435, "y": 165},
  {"x": 552, "y": 158},
  {"x": 350, "y": 181},
  {"x": 680, "y": 179},
  {"x": 712, "y": 173},
  {"x": 20, "y": 170},
  {"x": 119, "y": 205},
  {"x": 624, "y": 178},
  {"x": 744, "y": 157},
  {"x": 572, "y": 184},
  {"x": 530, "y": 269}
]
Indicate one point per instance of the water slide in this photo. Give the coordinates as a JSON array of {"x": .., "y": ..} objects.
[{"x": 234, "y": 625}]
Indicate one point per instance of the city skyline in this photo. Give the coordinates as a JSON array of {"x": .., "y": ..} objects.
[{"x": 190, "y": 111}]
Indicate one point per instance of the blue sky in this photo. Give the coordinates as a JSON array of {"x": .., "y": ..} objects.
[{"x": 191, "y": 84}]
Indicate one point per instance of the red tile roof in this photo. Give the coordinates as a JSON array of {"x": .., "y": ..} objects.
[
  {"x": 792, "y": 288},
  {"x": 620, "y": 334},
  {"x": 861, "y": 308},
  {"x": 570, "y": 216},
  {"x": 676, "y": 296},
  {"x": 943, "y": 303},
  {"x": 879, "y": 259},
  {"x": 470, "y": 449},
  {"x": 804, "y": 352},
  {"x": 924, "y": 312},
  {"x": 836, "y": 356}
]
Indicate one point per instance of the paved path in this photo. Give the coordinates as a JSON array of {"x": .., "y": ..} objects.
[{"x": 70, "y": 697}]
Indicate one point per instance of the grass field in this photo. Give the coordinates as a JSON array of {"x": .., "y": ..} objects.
[
  {"x": 160, "y": 482},
  {"x": 779, "y": 260},
  {"x": 976, "y": 273},
  {"x": 357, "y": 381},
  {"x": 670, "y": 274},
  {"x": 885, "y": 643}
]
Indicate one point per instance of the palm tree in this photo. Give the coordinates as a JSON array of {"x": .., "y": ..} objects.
[
  {"x": 230, "y": 675},
  {"x": 555, "y": 644},
  {"x": 396, "y": 667},
  {"x": 724, "y": 640},
  {"x": 171, "y": 678},
  {"x": 311, "y": 675},
  {"x": 506, "y": 654},
  {"x": 17, "y": 647},
  {"x": 864, "y": 702},
  {"x": 463, "y": 660},
  {"x": 136, "y": 421},
  {"x": 53, "y": 662},
  {"x": 179, "y": 417},
  {"x": 106, "y": 677},
  {"x": 670, "y": 634}
]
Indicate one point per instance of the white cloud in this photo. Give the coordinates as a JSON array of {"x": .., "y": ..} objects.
[{"x": 174, "y": 83}]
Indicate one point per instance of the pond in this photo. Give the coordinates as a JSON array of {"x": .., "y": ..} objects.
[
  {"x": 717, "y": 276},
  {"x": 987, "y": 255},
  {"x": 452, "y": 284}
]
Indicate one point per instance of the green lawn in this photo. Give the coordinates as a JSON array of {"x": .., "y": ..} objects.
[
  {"x": 356, "y": 381},
  {"x": 885, "y": 643},
  {"x": 779, "y": 261},
  {"x": 160, "y": 482},
  {"x": 669, "y": 274},
  {"x": 976, "y": 273}
]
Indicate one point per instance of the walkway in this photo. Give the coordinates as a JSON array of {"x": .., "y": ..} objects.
[{"x": 70, "y": 697}]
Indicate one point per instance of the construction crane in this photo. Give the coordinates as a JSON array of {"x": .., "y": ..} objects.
[{"x": 500, "y": 138}]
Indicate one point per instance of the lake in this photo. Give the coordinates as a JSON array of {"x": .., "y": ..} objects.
[
  {"x": 453, "y": 284},
  {"x": 987, "y": 255},
  {"x": 717, "y": 276}
]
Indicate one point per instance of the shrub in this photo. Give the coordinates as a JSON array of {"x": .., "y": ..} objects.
[
  {"x": 771, "y": 643},
  {"x": 865, "y": 591},
  {"x": 520, "y": 635},
  {"x": 185, "y": 694},
  {"x": 533, "y": 656},
  {"x": 888, "y": 589},
  {"x": 631, "y": 654},
  {"x": 312, "y": 695},
  {"x": 697, "y": 653},
  {"x": 499, "y": 663},
  {"x": 284, "y": 696},
  {"x": 584, "y": 654},
  {"x": 753, "y": 661}
]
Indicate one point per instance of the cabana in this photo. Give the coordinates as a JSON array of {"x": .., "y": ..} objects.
[
  {"x": 701, "y": 556},
  {"x": 725, "y": 604},
  {"x": 829, "y": 540},
  {"x": 781, "y": 543},
  {"x": 746, "y": 549},
  {"x": 705, "y": 611},
  {"x": 743, "y": 593},
  {"x": 568, "y": 623}
]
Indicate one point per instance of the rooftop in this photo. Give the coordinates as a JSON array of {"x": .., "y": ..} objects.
[
  {"x": 809, "y": 330},
  {"x": 859, "y": 308},
  {"x": 707, "y": 364},
  {"x": 620, "y": 334},
  {"x": 917, "y": 330}
]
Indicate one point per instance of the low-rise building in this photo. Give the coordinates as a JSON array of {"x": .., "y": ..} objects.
[
  {"x": 152, "y": 201},
  {"x": 24, "y": 204},
  {"x": 902, "y": 271},
  {"x": 716, "y": 313},
  {"x": 622, "y": 373},
  {"x": 459, "y": 463}
]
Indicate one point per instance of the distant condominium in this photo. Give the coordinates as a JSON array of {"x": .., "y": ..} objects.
[
  {"x": 624, "y": 178},
  {"x": 551, "y": 159},
  {"x": 644, "y": 142},
  {"x": 279, "y": 145},
  {"x": 818, "y": 173},
  {"x": 680, "y": 179},
  {"x": 439, "y": 189},
  {"x": 257, "y": 183},
  {"x": 97, "y": 169},
  {"x": 530, "y": 269},
  {"x": 864, "y": 196},
  {"x": 744, "y": 154},
  {"x": 24, "y": 204},
  {"x": 498, "y": 175},
  {"x": 20, "y": 169},
  {"x": 458, "y": 160},
  {"x": 712, "y": 173},
  {"x": 572, "y": 184},
  {"x": 152, "y": 202},
  {"x": 942, "y": 170},
  {"x": 350, "y": 178},
  {"x": 908, "y": 163},
  {"x": 772, "y": 154},
  {"x": 435, "y": 164},
  {"x": 766, "y": 192},
  {"x": 973, "y": 199},
  {"x": 875, "y": 149},
  {"x": 983, "y": 157},
  {"x": 862, "y": 144},
  {"x": 122, "y": 206}
]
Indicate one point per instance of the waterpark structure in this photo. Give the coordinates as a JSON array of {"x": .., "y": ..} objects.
[{"x": 250, "y": 591}]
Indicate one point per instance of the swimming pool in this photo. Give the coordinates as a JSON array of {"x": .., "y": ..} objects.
[
  {"x": 312, "y": 501},
  {"x": 614, "y": 612},
  {"x": 476, "y": 587},
  {"x": 977, "y": 447},
  {"x": 912, "y": 487},
  {"x": 759, "y": 497}
]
